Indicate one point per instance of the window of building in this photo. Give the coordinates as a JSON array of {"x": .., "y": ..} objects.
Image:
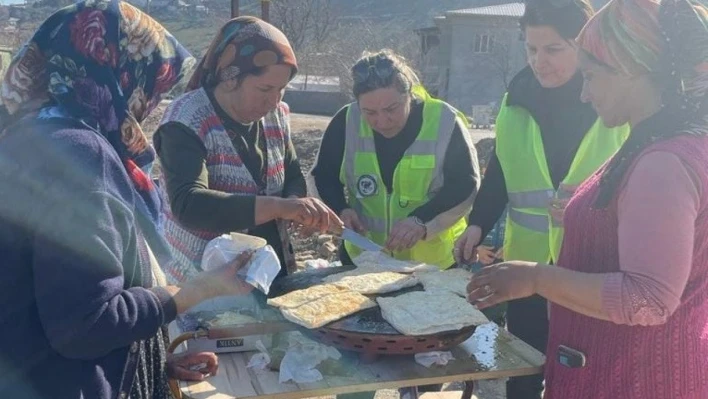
[{"x": 483, "y": 43}]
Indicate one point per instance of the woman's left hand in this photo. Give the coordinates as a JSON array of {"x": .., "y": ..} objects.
[
  {"x": 556, "y": 207},
  {"x": 186, "y": 367},
  {"x": 502, "y": 282},
  {"x": 404, "y": 235}
]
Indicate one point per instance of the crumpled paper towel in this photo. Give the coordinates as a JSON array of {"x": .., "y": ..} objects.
[
  {"x": 429, "y": 358},
  {"x": 260, "y": 360},
  {"x": 484, "y": 345},
  {"x": 301, "y": 358}
]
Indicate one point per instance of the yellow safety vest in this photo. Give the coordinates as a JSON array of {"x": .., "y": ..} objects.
[
  {"x": 417, "y": 178},
  {"x": 530, "y": 233}
]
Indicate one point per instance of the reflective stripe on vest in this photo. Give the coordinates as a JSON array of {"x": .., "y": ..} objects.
[
  {"x": 530, "y": 199},
  {"x": 538, "y": 223},
  {"x": 417, "y": 178},
  {"x": 531, "y": 234}
]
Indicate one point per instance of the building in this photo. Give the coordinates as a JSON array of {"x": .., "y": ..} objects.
[{"x": 469, "y": 56}]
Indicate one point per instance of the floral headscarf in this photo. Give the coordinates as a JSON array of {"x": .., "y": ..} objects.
[
  {"x": 242, "y": 45},
  {"x": 667, "y": 39},
  {"x": 105, "y": 64}
]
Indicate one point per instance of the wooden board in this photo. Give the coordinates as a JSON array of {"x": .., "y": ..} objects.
[{"x": 495, "y": 354}]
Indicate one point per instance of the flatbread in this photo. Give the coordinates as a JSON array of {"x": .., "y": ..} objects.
[
  {"x": 327, "y": 309},
  {"x": 379, "y": 261},
  {"x": 229, "y": 318},
  {"x": 367, "y": 282},
  {"x": 426, "y": 312},
  {"x": 300, "y": 297},
  {"x": 453, "y": 280}
]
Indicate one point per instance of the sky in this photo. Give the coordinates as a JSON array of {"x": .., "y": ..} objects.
[{"x": 6, "y": 2}]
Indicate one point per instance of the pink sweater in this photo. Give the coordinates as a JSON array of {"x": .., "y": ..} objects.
[
  {"x": 657, "y": 345},
  {"x": 655, "y": 229}
]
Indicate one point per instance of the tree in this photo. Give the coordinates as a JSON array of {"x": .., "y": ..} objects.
[
  {"x": 354, "y": 37},
  {"x": 306, "y": 23},
  {"x": 328, "y": 45},
  {"x": 504, "y": 60}
]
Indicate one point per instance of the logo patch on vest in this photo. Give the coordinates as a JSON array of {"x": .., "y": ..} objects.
[{"x": 366, "y": 186}]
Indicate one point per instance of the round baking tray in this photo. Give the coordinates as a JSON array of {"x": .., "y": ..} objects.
[{"x": 367, "y": 332}]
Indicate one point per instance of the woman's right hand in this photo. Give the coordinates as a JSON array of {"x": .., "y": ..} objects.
[
  {"x": 311, "y": 213},
  {"x": 223, "y": 281},
  {"x": 465, "y": 251}
]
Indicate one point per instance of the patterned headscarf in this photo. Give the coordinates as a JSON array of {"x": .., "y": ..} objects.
[
  {"x": 105, "y": 64},
  {"x": 243, "y": 45},
  {"x": 625, "y": 35},
  {"x": 667, "y": 40}
]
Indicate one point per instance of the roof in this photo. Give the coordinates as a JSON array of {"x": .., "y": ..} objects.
[
  {"x": 427, "y": 29},
  {"x": 515, "y": 10}
]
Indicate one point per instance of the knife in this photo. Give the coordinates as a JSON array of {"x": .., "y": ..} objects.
[{"x": 359, "y": 240}]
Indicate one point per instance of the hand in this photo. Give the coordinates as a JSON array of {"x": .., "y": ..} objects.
[
  {"x": 404, "y": 235},
  {"x": 351, "y": 221},
  {"x": 487, "y": 255},
  {"x": 185, "y": 367},
  {"x": 556, "y": 207},
  {"x": 225, "y": 281},
  {"x": 502, "y": 282},
  {"x": 465, "y": 251},
  {"x": 309, "y": 212}
]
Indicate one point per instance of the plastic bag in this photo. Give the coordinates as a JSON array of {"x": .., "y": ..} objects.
[
  {"x": 302, "y": 357},
  {"x": 260, "y": 270},
  {"x": 312, "y": 264},
  {"x": 260, "y": 360},
  {"x": 430, "y": 358}
]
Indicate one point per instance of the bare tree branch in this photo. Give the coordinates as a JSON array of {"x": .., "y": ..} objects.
[{"x": 502, "y": 59}]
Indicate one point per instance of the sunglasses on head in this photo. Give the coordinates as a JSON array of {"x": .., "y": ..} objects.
[{"x": 383, "y": 68}]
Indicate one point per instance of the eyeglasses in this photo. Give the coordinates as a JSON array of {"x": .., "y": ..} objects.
[{"x": 383, "y": 68}]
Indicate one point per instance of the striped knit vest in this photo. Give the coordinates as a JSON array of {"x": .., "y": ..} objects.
[
  {"x": 227, "y": 173},
  {"x": 668, "y": 361}
]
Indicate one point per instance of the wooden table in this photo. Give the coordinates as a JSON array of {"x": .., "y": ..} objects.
[{"x": 490, "y": 353}]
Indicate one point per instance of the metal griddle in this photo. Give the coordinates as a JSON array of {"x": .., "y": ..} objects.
[{"x": 367, "y": 332}]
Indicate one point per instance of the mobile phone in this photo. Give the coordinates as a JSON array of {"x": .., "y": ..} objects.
[{"x": 570, "y": 357}]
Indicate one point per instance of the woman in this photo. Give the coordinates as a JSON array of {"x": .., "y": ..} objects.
[
  {"x": 227, "y": 159},
  {"x": 80, "y": 313},
  {"x": 387, "y": 153},
  {"x": 634, "y": 309},
  {"x": 547, "y": 142}
]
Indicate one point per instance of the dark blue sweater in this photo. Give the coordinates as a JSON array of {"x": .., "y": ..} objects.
[{"x": 73, "y": 268}]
